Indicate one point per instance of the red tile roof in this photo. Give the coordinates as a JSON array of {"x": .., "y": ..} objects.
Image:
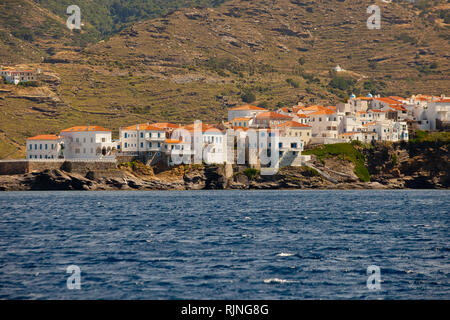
[
  {"x": 248, "y": 107},
  {"x": 325, "y": 111},
  {"x": 143, "y": 126},
  {"x": 293, "y": 124},
  {"x": 85, "y": 128},
  {"x": 44, "y": 137},
  {"x": 272, "y": 115},
  {"x": 165, "y": 125}
]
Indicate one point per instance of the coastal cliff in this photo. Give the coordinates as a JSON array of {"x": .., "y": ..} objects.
[{"x": 414, "y": 165}]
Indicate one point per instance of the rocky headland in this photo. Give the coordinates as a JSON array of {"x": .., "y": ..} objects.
[{"x": 423, "y": 165}]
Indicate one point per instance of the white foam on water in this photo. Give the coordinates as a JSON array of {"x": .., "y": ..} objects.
[
  {"x": 276, "y": 280},
  {"x": 284, "y": 254}
]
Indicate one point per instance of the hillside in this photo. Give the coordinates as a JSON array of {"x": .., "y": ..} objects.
[{"x": 194, "y": 63}]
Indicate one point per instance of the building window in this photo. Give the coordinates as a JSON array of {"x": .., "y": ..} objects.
[
  {"x": 103, "y": 139},
  {"x": 40, "y": 147},
  {"x": 92, "y": 140},
  {"x": 142, "y": 145},
  {"x": 31, "y": 147},
  {"x": 142, "y": 135},
  {"x": 46, "y": 147},
  {"x": 126, "y": 145},
  {"x": 126, "y": 135}
]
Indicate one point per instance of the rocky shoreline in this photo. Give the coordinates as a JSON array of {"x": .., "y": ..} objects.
[
  {"x": 207, "y": 178},
  {"x": 390, "y": 166}
]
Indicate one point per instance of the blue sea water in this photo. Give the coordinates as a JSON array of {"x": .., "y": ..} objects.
[{"x": 225, "y": 244}]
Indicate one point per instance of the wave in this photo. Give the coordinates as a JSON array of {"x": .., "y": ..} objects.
[
  {"x": 277, "y": 280},
  {"x": 284, "y": 254}
]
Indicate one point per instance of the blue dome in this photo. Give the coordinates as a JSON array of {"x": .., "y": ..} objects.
[
  {"x": 369, "y": 95},
  {"x": 352, "y": 96}
]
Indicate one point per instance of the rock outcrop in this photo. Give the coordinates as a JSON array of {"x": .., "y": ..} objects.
[{"x": 391, "y": 166}]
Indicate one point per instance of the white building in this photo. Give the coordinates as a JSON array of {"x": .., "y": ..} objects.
[
  {"x": 142, "y": 138},
  {"x": 46, "y": 146},
  {"x": 18, "y": 76},
  {"x": 246, "y": 111},
  {"x": 212, "y": 142},
  {"x": 324, "y": 124},
  {"x": 438, "y": 114},
  {"x": 87, "y": 142}
]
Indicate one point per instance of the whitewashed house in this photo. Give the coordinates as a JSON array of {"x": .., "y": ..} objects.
[
  {"x": 47, "y": 146},
  {"x": 87, "y": 142},
  {"x": 245, "y": 111},
  {"x": 142, "y": 139},
  {"x": 325, "y": 124},
  {"x": 18, "y": 76},
  {"x": 438, "y": 114}
]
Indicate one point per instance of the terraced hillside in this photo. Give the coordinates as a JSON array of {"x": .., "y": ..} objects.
[{"x": 195, "y": 63}]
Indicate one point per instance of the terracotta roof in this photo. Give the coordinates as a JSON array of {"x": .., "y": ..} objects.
[
  {"x": 326, "y": 111},
  {"x": 388, "y": 100},
  {"x": 293, "y": 124},
  {"x": 85, "y": 128},
  {"x": 394, "y": 104},
  {"x": 398, "y": 98},
  {"x": 204, "y": 127},
  {"x": 248, "y": 107},
  {"x": 446, "y": 100},
  {"x": 143, "y": 126},
  {"x": 369, "y": 124},
  {"x": 44, "y": 137},
  {"x": 376, "y": 110},
  {"x": 165, "y": 125},
  {"x": 364, "y": 98},
  {"x": 302, "y": 115},
  {"x": 272, "y": 115}
]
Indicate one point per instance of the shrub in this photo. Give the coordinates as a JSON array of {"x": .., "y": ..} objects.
[
  {"x": 251, "y": 173},
  {"x": 341, "y": 83},
  {"x": 293, "y": 83},
  {"x": 248, "y": 96}
]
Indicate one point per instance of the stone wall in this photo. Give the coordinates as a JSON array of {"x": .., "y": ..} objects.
[
  {"x": 13, "y": 167},
  {"x": 25, "y": 166},
  {"x": 44, "y": 165},
  {"x": 84, "y": 167}
]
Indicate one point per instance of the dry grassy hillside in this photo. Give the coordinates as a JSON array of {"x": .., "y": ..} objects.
[{"x": 196, "y": 63}]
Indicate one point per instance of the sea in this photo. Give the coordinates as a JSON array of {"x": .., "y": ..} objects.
[{"x": 284, "y": 245}]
